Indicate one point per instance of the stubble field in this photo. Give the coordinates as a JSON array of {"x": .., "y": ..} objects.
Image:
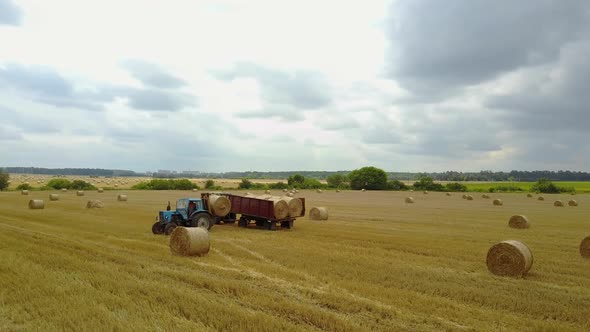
[{"x": 376, "y": 264}]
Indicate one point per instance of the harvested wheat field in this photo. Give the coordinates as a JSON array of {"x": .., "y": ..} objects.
[{"x": 378, "y": 264}]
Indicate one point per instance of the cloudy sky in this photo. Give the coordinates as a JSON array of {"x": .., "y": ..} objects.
[{"x": 406, "y": 85}]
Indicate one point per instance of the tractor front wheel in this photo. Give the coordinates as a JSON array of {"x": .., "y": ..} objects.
[
  {"x": 202, "y": 220},
  {"x": 157, "y": 228},
  {"x": 169, "y": 228}
]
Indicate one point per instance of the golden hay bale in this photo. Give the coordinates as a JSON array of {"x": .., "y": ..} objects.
[
  {"x": 295, "y": 206},
  {"x": 290, "y": 195},
  {"x": 63, "y": 190},
  {"x": 94, "y": 204},
  {"x": 572, "y": 203},
  {"x": 285, "y": 190},
  {"x": 529, "y": 195},
  {"x": 190, "y": 241},
  {"x": 337, "y": 190},
  {"x": 219, "y": 205},
  {"x": 195, "y": 190},
  {"x": 80, "y": 193},
  {"x": 318, "y": 213},
  {"x": 267, "y": 191},
  {"x": 425, "y": 192},
  {"x": 36, "y": 204},
  {"x": 24, "y": 192},
  {"x": 363, "y": 189},
  {"x": 519, "y": 221},
  {"x": 448, "y": 194},
  {"x": 100, "y": 190},
  {"x": 509, "y": 258},
  {"x": 498, "y": 202},
  {"x": 541, "y": 198},
  {"x": 53, "y": 197},
  {"x": 486, "y": 196},
  {"x": 464, "y": 196},
  {"x": 280, "y": 206},
  {"x": 409, "y": 200},
  {"x": 558, "y": 203},
  {"x": 319, "y": 191},
  {"x": 585, "y": 247},
  {"x": 122, "y": 198},
  {"x": 469, "y": 197}
]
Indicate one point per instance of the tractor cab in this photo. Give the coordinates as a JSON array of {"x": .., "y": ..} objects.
[{"x": 188, "y": 206}]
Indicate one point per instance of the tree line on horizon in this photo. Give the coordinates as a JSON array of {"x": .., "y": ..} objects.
[{"x": 484, "y": 175}]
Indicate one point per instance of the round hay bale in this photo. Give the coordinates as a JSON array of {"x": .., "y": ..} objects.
[
  {"x": 464, "y": 196},
  {"x": 519, "y": 221},
  {"x": 24, "y": 192},
  {"x": 540, "y": 198},
  {"x": 572, "y": 202},
  {"x": 337, "y": 190},
  {"x": 529, "y": 195},
  {"x": 295, "y": 206},
  {"x": 94, "y": 204},
  {"x": 64, "y": 190},
  {"x": 425, "y": 192},
  {"x": 296, "y": 191},
  {"x": 363, "y": 189},
  {"x": 36, "y": 204},
  {"x": 100, "y": 190},
  {"x": 509, "y": 258},
  {"x": 122, "y": 198},
  {"x": 285, "y": 190},
  {"x": 448, "y": 194},
  {"x": 558, "y": 203},
  {"x": 267, "y": 191},
  {"x": 469, "y": 197},
  {"x": 486, "y": 196},
  {"x": 189, "y": 241},
  {"x": 80, "y": 193},
  {"x": 318, "y": 213},
  {"x": 290, "y": 195},
  {"x": 498, "y": 202},
  {"x": 219, "y": 205},
  {"x": 585, "y": 247},
  {"x": 409, "y": 200},
  {"x": 53, "y": 197},
  {"x": 319, "y": 191}
]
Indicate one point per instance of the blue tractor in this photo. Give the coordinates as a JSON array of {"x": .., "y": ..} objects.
[{"x": 190, "y": 212}]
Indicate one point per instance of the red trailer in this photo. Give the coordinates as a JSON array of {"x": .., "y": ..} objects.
[{"x": 260, "y": 211}]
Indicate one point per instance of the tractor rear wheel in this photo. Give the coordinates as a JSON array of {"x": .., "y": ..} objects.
[
  {"x": 157, "y": 228},
  {"x": 202, "y": 220},
  {"x": 169, "y": 228}
]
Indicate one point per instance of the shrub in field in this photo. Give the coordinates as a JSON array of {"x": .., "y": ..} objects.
[
  {"x": 505, "y": 188},
  {"x": 548, "y": 187},
  {"x": 426, "y": 183},
  {"x": 245, "y": 184},
  {"x": 24, "y": 186},
  {"x": 396, "y": 185},
  {"x": 59, "y": 183},
  {"x": 81, "y": 185},
  {"x": 278, "y": 185},
  {"x": 336, "y": 180},
  {"x": 455, "y": 186},
  {"x": 166, "y": 184}
]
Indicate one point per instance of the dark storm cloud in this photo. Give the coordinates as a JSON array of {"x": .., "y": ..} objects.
[
  {"x": 555, "y": 99},
  {"x": 10, "y": 14},
  {"x": 301, "y": 90},
  {"x": 152, "y": 75},
  {"x": 45, "y": 85},
  {"x": 438, "y": 46}
]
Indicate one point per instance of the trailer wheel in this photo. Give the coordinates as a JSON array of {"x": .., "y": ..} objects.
[
  {"x": 202, "y": 220},
  {"x": 243, "y": 222},
  {"x": 271, "y": 225},
  {"x": 287, "y": 224},
  {"x": 157, "y": 228},
  {"x": 169, "y": 228}
]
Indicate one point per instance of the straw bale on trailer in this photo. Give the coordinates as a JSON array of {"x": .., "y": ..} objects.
[
  {"x": 318, "y": 213},
  {"x": 295, "y": 206},
  {"x": 190, "y": 241},
  {"x": 509, "y": 258},
  {"x": 219, "y": 205},
  {"x": 36, "y": 204},
  {"x": 519, "y": 221}
]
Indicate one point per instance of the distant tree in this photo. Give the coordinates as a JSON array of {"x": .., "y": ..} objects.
[
  {"x": 59, "y": 183},
  {"x": 245, "y": 184},
  {"x": 544, "y": 185},
  {"x": 311, "y": 184},
  {"x": 81, "y": 185},
  {"x": 4, "y": 177},
  {"x": 296, "y": 180},
  {"x": 455, "y": 186},
  {"x": 210, "y": 184},
  {"x": 427, "y": 183},
  {"x": 396, "y": 185},
  {"x": 369, "y": 177},
  {"x": 336, "y": 180}
]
